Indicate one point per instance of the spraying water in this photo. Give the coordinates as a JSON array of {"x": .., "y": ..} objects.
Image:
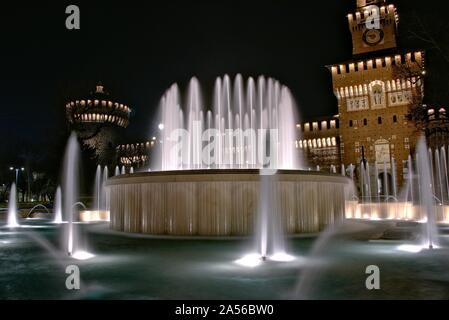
[
  {"x": 385, "y": 186},
  {"x": 270, "y": 235},
  {"x": 426, "y": 194},
  {"x": 270, "y": 238},
  {"x": 70, "y": 188},
  {"x": 231, "y": 134},
  {"x": 101, "y": 200},
  {"x": 98, "y": 189},
  {"x": 12, "y": 208},
  {"x": 70, "y": 185},
  {"x": 444, "y": 174},
  {"x": 58, "y": 206},
  {"x": 104, "y": 191},
  {"x": 393, "y": 179},
  {"x": 41, "y": 206},
  {"x": 410, "y": 178}
]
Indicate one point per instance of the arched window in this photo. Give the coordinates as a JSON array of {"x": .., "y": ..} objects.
[
  {"x": 379, "y": 120},
  {"x": 365, "y": 122},
  {"x": 395, "y": 118},
  {"x": 350, "y": 123}
]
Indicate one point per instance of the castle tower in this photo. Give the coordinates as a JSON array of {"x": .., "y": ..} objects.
[
  {"x": 375, "y": 90},
  {"x": 373, "y": 26},
  {"x": 99, "y": 122}
]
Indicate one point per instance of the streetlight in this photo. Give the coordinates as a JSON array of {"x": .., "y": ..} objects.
[{"x": 17, "y": 172}]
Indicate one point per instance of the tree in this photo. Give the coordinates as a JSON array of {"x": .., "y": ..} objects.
[{"x": 426, "y": 31}]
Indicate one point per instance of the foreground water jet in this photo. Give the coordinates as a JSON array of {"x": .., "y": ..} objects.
[
  {"x": 269, "y": 233},
  {"x": 427, "y": 200},
  {"x": 70, "y": 189},
  {"x": 12, "y": 208},
  {"x": 70, "y": 179}
]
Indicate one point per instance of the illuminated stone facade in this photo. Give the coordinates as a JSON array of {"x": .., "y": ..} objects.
[
  {"x": 373, "y": 110},
  {"x": 436, "y": 125},
  {"x": 320, "y": 143},
  {"x": 135, "y": 154},
  {"x": 374, "y": 92}
]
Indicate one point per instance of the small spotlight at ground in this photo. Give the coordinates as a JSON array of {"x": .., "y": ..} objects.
[
  {"x": 250, "y": 260},
  {"x": 416, "y": 248},
  {"x": 82, "y": 255},
  {"x": 255, "y": 259},
  {"x": 410, "y": 248},
  {"x": 282, "y": 257}
]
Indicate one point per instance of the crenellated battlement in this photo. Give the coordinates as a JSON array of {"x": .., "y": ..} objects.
[
  {"x": 362, "y": 14},
  {"x": 390, "y": 86},
  {"x": 415, "y": 58}
]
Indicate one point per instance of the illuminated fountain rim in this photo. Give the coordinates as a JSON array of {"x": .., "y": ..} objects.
[
  {"x": 116, "y": 180},
  {"x": 220, "y": 202}
]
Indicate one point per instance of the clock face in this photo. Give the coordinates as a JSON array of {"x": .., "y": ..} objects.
[{"x": 373, "y": 36}]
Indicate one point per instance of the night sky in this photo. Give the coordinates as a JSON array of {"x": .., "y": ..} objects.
[{"x": 139, "y": 48}]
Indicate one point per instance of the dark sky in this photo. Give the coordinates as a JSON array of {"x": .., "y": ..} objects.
[{"x": 139, "y": 48}]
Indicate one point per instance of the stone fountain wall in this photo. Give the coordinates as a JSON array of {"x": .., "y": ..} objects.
[{"x": 221, "y": 203}]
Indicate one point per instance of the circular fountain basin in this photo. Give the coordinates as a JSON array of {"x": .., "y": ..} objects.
[{"x": 221, "y": 202}]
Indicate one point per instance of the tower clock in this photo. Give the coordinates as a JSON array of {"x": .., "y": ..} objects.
[{"x": 373, "y": 26}]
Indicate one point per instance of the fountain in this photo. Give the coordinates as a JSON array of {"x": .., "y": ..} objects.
[
  {"x": 444, "y": 173},
  {"x": 270, "y": 238},
  {"x": 270, "y": 230},
  {"x": 410, "y": 179},
  {"x": 117, "y": 171},
  {"x": 70, "y": 188},
  {"x": 58, "y": 206},
  {"x": 233, "y": 131},
  {"x": 100, "y": 209},
  {"x": 386, "y": 190},
  {"x": 393, "y": 179},
  {"x": 98, "y": 188},
  {"x": 426, "y": 196},
  {"x": 36, "y": 207},
  {"x": 12, "y": 208},
  {"x": 204, "y": 177},
  {"x": 104, "y": 191}
]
